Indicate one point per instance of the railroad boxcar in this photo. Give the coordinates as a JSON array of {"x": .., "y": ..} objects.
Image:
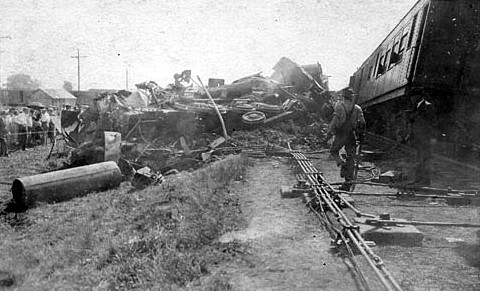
[{"x": 435, "y": 48}]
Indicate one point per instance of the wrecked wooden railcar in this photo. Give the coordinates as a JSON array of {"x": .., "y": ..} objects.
[
  {"x": 151, "y": 120},
  {"x": 300, "y": 78},
  {"x": 151, "y": 132},
  {"x": 130, "y": 115},
  {"x": 433, "y": 51},
  {"x": 256, "y": 85}
]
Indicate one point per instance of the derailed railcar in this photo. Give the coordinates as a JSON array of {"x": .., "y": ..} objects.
[{"x": 435, "y": 48}]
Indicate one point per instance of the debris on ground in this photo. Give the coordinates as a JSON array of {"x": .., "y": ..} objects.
[
  {"x": 154, "y": 131},
  {"x": 178, "y": 127},
  {"x": 145, "y": 177}
]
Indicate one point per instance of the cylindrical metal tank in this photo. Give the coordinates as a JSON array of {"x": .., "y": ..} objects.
[{"x": 66, "y": 184}]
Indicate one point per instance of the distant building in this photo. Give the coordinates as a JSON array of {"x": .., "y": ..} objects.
[
  {"x": 53, "y": 97},
  {"x": 14, "y": 97}
]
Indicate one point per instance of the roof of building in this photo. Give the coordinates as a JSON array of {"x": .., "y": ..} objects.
[
  {"x": 103, "y": 90},
  {"x": 57, "y": 93}
]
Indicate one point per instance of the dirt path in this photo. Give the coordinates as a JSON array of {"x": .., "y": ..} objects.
[{"x": 289, "y": 250}]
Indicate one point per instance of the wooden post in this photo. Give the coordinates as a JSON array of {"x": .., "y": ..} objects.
[{"x": 216, "y": 109}]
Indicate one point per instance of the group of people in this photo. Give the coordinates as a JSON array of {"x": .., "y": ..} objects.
[
  {"x": 25, "y": 126},
  {"x": 347, "y": 126},
  {"x": 22, "y": 127}
]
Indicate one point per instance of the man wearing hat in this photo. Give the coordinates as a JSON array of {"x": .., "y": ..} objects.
[
  {"x": 28, "y": 124},
  {"x": 45, "y": 120},
  {"x": 20, "y": 120},
  {"x": 3, "y": 135},
  {"x": 347, "y": 126},
  {"x": 11, "y": 126}
]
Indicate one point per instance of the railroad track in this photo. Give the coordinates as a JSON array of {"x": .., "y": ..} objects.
[
  {"x": 324, "y": 198},
  {"x": 439, "y": 159},
  {"x": 325, "y": 201},
  {"x": 446, "y": 171},
  {"x": 449, "y": 221}
]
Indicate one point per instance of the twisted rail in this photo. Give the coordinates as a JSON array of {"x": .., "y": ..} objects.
[{"x": 325, "y": 199}]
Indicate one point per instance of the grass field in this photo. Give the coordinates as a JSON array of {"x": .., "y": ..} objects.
[{"x": 161, "y": 237}]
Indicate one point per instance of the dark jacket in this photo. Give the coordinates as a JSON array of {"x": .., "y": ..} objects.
[
  {"x": 347, "y": 117},
  {"x": 423, "y": 124},
  {"x": 3, "y": 128}
]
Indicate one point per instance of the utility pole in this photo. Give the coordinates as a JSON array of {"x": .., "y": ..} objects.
[
  {"x": 78, "y": 56},
  {"x": 126, "y": 78},
  {"x": 1, "y": 51},
  {"x": 2, "y": 37}
]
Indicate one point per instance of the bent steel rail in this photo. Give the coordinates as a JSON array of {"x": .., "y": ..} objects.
[{"x": 324, "y": 197}]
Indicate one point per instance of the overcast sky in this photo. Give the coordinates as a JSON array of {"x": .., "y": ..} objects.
[{"x": 215, "y": 39}]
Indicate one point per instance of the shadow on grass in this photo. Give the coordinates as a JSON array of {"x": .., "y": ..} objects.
[
  {"x": 7, "y": 279},
  {"x": 14, "y": 215},
  {"x": 470, "y": 252}
]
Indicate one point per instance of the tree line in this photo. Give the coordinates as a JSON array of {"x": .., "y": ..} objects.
[{"x": 25, "y": 82}]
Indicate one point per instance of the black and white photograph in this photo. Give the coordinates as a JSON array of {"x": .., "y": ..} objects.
[{"x": 240, "y": 145}]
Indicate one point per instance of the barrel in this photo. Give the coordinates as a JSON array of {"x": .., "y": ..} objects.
[{"x": 66, "y": 184}]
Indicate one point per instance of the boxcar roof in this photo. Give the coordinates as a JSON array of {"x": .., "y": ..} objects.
[{"x": 394, "y": 29}]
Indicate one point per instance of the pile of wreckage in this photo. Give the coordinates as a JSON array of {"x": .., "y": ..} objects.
[{"x": 154, "y": 131}]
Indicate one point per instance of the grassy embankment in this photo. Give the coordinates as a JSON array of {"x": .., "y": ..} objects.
[{"x": 161, "y": 238}]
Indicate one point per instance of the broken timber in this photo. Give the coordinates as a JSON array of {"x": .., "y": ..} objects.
[{"x": 224, "y": 129}]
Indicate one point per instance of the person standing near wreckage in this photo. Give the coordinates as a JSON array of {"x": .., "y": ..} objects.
[
  {"x": 3, "y": 135},
  {"x": 20, "y": 119},
  {"x": 422, "y": 135},
  {"x": 45, "y": 121},
  {"x": 347, "y": 126}
]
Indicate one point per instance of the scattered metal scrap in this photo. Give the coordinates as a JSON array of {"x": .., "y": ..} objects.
[
  {"x": 173, "y": 126},
  {"x": 145, "y": 177},
  {"x": 142, "y": 130},
  {"x": 387, "y": 221},
  {"x": 411, "y": 192},
  {"x": 322, "y": 199}
]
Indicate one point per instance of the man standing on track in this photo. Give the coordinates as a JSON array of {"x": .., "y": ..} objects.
[{"x": 347, "y": 125}]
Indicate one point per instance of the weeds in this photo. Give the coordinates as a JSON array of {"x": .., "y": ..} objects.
[{"x": 162, "y": 237}]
